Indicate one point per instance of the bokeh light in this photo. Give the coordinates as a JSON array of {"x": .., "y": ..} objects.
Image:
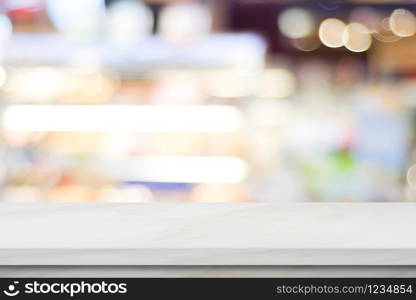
[
  {"x": 331, "y": 33},
  {"x": 184, "y": 22},
  {"x": 296, "y": 23},
  {"x": 79, "y": 20},
  {"x": 402, "y": 22},
  {"x": 128, "y": 22},
  {"x": 357, "y": 37}
]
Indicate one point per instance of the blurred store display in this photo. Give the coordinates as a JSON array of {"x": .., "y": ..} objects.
[{"x": 207, "y": 101}]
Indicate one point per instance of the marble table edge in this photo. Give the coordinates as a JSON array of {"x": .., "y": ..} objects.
[{"x": 208, "y": 257}]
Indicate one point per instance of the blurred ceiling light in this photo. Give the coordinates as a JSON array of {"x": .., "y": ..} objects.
[
  {"x": 184, "y": 21},
  {"x": 296, "y": 23},
  {"x": 122, "y": 118},
  {"x": 276, "y": 83},
  {"x": 6, "y": 29},
  {"x": 402, "y": 22},
  {"x": 129, "y": 22},
  {"x": 357, "y": 37},
  {"x": 215, "y": 169},
  {"x": 331, "y": 33},
  {"x": 78, "y": 20}
]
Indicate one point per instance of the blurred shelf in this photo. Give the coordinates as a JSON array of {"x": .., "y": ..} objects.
[{"x": 217, "y": 50}]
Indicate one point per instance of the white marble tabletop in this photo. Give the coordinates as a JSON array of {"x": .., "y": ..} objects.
[{"x": 208, "y": 234}]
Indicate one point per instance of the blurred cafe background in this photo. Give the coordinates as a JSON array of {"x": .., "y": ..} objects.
[{"x": 207, "y": 101}]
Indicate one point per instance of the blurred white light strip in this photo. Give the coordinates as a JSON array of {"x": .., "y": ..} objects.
[
  {"x": 214, "y": 169},
  {"x": 121, "y": 118}
]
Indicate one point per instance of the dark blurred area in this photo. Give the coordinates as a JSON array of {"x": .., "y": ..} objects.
[{"x": 207, "y": 101}]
